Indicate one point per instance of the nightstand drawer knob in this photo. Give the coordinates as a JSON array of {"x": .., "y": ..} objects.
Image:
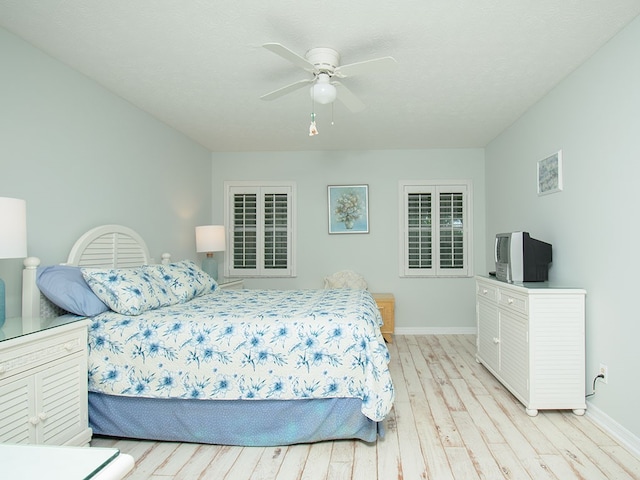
[
  {"x": 70, "y": 346},
  {"x": 34, "y": 420},
  {"x": 496, "y": 340}
]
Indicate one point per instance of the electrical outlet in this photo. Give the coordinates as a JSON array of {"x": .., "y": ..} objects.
[{"x": 605, "y": 372}]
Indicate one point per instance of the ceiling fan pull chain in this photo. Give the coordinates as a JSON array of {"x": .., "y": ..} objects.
[{"x": 313, "y": 130}]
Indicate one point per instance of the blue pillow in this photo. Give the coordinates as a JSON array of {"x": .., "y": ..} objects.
[{"x": 65, "y": 286}]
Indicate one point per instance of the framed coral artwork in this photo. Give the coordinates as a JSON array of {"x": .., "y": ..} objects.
[{"x": 348, "y": 208}]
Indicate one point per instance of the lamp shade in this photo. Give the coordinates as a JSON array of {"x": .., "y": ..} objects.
[
  {"x": 13, "y": 228},
  {"x": 210, "y": 238}
]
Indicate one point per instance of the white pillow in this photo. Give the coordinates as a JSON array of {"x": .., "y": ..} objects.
[
  {"x": 345, "y": 279},
  {"x": 185, "y": 279},
  {"x": 129, "y": 291}
]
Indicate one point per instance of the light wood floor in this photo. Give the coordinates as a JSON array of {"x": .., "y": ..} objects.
[{"x": 451, "y": 420}]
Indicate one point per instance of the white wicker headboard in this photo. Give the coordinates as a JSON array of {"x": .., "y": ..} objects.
[{"x": 106, "y": 246}]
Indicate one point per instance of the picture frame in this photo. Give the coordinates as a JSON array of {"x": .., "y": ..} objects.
[
  {"x": 550, "y": 174},
  {"x": 348, "y": 207}
]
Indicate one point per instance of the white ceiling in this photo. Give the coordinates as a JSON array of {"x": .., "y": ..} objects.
[{"x": 466, "y": 69}]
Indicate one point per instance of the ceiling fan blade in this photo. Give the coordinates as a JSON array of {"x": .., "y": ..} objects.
[
  {"x": 368, "y": 66},
  {"x": 291, "y": 56},
  {"x": 284, "y": 90},
  {"x": 348, "y": 99}
]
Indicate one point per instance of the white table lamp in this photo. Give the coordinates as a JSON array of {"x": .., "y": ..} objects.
[
  {"x": 13, "y": 237},
  {"x": 209, "y": 239}
]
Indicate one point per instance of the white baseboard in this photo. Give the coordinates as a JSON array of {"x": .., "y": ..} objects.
[
  {"x": 435, "y": 330},
  {"x": 621, "y": 434}
]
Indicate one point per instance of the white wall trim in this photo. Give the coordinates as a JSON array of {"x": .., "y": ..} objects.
[
  {"x": 624, "y": 436},
  {"x": 435, "y": 331}
]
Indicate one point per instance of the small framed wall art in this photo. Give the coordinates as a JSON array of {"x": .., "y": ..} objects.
[
  {"x": 348, "y": 208},
  {"x": 550, "y": 174}
]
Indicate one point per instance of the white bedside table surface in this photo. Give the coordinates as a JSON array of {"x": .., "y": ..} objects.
[
  {"x": 17, "y": 326},
  {"x": 34, "y": 462}
]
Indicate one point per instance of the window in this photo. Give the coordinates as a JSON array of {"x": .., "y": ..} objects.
[
  {"x": 259, "y": 218},
  {"x": 435, "y": 225}
]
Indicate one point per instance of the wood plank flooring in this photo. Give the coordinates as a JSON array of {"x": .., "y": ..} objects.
[{"x": 451, "y": 420}]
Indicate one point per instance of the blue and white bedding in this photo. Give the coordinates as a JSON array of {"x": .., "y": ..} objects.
[{"x": 249, "y": 345}]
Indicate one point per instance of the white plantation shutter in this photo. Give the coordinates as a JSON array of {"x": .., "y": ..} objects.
[
  {"x": 260, "y": 219},
  {"x": 276, "y": 231},
  {"x": 452, "y": 234},
  {"x": 435, "y": 227},
  {"x": 419, "y": 233},
  {"x": 244, "y": 231}
]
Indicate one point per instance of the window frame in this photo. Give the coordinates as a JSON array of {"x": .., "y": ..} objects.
[
  {"x": 261, "y": 189},
  {"x": 435, "y": 188}
]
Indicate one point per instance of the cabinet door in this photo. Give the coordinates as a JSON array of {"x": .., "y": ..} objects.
[
  {"x": 488, "y": 334},
  {"x": 45, "y": 405},
  {"x": 514, "y": 353},
  {"x": 16, "y": 409},
  {"x": 61, "y": 400}
]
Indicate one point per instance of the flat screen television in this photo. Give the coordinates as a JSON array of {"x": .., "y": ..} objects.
[{"x": 520, "y": 258}]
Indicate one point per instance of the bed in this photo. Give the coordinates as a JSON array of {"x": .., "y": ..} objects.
[{"x": 172, "y": 357}]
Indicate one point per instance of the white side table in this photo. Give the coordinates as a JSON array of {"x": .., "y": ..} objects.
[
  {"x": 43, "y": 382},
  {"x": 231, "y": 283},
  {"x": 29, "y": 462}
]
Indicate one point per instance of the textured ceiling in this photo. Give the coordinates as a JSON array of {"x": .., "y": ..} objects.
[{"x": 466, "y": 69}]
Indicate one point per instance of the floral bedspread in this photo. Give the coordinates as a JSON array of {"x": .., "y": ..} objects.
[{"x": 247, "y": 344}]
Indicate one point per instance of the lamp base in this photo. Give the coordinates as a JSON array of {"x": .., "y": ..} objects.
[{"x": 210, "y": 266}]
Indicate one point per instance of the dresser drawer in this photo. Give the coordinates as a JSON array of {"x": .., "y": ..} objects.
[
  {"x": 485, "y": 290},
  {"x": 29, "y": 351},
  {"x": 513, "y": 300}
]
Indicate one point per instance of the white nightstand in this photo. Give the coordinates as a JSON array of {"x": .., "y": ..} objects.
[
  {"x": 231, "y": 283},
  {"x": 43, "y": 382}
]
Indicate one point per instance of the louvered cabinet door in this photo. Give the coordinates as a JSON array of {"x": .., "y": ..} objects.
[
  {"x": 61, "y": 403},
  {"x": 488, "y": 337},
  {"x": 16, "y": 409}
]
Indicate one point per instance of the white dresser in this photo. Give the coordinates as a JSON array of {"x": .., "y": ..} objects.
[
  {"x": 43, "y": 382},
  {"x": 531, "y": 338}
]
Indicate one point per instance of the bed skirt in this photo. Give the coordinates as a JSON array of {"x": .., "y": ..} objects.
[{"x": 231, "y": 422}]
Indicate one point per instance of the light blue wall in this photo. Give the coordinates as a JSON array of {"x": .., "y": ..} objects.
[
  {"x": 81, "y": 156},
  {"x": 594, "y": 117},
  {"x": 421, "y": 303}
]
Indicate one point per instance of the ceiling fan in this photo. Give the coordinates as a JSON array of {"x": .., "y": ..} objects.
[{"x": 324, "y": 65}]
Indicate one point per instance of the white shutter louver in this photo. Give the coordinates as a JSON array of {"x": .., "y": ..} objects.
[
  {"x": 451, "y": 230},
  {"x": 245, "y": 228},
  {"x": 419, "y": 241},
  {"x": 276, "y": 242}
]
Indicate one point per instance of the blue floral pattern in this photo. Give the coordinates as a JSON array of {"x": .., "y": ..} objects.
[
  {"x": 185, "y": 279},
  {"x": 247, "y": 344},
  {"x": 129, "y": 291}
]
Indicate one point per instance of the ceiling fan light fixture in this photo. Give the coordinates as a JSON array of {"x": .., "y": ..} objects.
[{"x": 322, "y": 91}]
